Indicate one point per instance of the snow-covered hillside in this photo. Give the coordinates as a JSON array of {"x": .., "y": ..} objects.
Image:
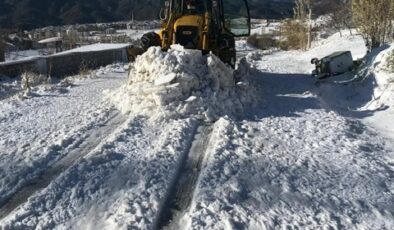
[{"x": 290, "y": 153}]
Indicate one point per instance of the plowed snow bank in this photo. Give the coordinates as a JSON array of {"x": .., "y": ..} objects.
[
  {"x": 182, "y": 83},
  {"x": 383, "y": 95}
]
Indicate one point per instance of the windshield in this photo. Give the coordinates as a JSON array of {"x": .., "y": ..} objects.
[
  {"x": 236, "y": 17},
  {"x": 189, "y": 6}
]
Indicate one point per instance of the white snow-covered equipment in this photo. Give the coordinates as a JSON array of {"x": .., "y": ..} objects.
[{"x": 333, "y": 64}]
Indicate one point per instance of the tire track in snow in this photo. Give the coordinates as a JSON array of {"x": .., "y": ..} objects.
[
  {"x": 181, "y": 194},
  {"x": 81, "y": 148}
]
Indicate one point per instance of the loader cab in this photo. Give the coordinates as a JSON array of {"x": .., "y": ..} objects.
[
  {"x": 195, "y": 6},
  {"x": 206, "y": 25},
  {"x": 184, "y": 7},
  {"x": 233, "y": 14},
  {"x": 236, "y": 17}
]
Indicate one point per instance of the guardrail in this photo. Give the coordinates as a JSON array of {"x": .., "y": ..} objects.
[{"x": 64, "y": 64}]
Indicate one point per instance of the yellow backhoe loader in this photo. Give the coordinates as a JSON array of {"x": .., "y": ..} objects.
[{"x": 206, "y": 25}]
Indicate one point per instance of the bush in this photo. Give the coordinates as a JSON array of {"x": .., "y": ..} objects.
[
  {"x": 30, "y": 79},
  {"x": 294, "y": 34},
  {"x": 84, "y": 70},
  {"x": 263, "y": 42}
]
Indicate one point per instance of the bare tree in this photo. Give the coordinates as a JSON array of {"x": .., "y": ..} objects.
[
  {"x": 299, "y": 10},
  {"x": 340, "y": 14},
  {"x": 309, "y": 4},
  {"x": 72, "y": 38},
  {"x": 303, "y": 14},
  {"x": 373, "y": 19}
]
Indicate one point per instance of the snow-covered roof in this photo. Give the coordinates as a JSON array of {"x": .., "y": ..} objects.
[
  {"x": 96, "y": 47},
  {"x": 50, "y": 40}
]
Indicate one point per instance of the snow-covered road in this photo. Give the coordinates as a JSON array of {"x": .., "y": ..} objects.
[
  {"x": 295, "y": 165},
  {"x": 304, "y": 158},
  {"x": 39, "y": 131}
]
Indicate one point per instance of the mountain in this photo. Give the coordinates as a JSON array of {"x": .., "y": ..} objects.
[
  {"x": 272, "y": 9},
  {"x": 28, "y": 14}
]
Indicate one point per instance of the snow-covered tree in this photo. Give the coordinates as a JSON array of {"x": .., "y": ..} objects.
[{"x": 374, "y": 19}]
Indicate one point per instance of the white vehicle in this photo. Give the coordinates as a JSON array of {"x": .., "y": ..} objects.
[{"x": 333, "y": 64}]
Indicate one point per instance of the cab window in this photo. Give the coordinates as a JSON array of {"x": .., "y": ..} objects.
[
  {"x": 194, "y": 6},
  {"x": 236, "y": 17}
]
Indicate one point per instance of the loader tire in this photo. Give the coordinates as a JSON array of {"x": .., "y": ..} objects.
[
  {"x": 133, "y": 52},
  {"x": 150, "y": 39}
]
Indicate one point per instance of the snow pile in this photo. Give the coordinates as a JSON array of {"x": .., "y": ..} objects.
[
  {"x": 384, "y": 90},
  {"x": 383, "y": 94},
  {"x": 182, "y": 83},
  {"x": 113, "y": 68}
]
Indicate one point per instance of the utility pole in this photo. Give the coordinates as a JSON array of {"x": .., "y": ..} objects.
[{"x": 2, "y": 45}]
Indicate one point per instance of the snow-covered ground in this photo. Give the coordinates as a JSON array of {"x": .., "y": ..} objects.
[
  {"x": 295, "y": 165},
  {"x": 290, "y": 153},
  {"x": 40, "y": 128},
  {"x": 22, "y": 55}
]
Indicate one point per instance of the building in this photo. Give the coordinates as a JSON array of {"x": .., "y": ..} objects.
[{"x": 53, "y": 45}]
